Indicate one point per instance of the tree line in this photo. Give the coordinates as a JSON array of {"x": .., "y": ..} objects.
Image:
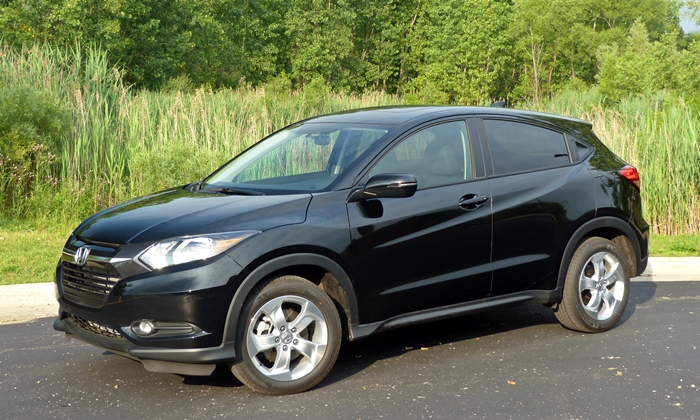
[{"x": 439, "y": 51}]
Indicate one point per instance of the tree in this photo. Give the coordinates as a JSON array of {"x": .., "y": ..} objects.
[
  {"x": 638, "y": 65},
  {"x": 379, "y": 35},
  {"x": 234, "y": 41},
  {"x": 150, "y": 38},
  {"x": 557, "y": 39},
  {"x": 24, "y": 21},
  {"x": 320, "y": 40},
  {"x": 461, "y": 50}
]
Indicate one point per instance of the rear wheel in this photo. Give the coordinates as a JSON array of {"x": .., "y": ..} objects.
[
  {"x": 289, "y": 337},
  {"x": 597, "y": 287}
]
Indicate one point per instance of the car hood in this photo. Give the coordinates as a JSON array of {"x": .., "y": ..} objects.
[{"x": 177, "y": 212}]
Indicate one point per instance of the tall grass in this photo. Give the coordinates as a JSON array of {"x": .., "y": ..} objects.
[
  {"x": 126, "y": 143},
  {"x": 657, "y": 133}
]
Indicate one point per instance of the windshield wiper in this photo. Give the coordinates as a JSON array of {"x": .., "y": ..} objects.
[
  {"x": 231, "y": 191},
  {"x": 194, "y": 187}
]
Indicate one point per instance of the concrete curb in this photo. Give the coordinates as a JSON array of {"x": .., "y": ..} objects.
[
  {"x": 671, "y": 269},
  {"x": 26, "y": 302}
]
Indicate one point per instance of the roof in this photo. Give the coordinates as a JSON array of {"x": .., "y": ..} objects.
[{"x": 399, "y": 115}]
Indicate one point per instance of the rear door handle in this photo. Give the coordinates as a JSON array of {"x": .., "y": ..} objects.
[{"x": 472, "y": 201}]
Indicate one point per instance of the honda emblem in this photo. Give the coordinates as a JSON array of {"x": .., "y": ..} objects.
[{"x": 81, "y": 256}]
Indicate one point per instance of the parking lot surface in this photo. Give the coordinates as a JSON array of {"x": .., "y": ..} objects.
[{"x": 516, "y": 363}]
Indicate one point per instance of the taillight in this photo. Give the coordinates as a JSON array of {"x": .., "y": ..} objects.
[{"x": 630, "y": 173}]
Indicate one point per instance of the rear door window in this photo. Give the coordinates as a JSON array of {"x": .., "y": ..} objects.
[{"x": 520, "y": 147}]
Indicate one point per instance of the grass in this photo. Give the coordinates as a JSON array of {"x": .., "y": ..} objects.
[
  {"x": 674, "y": 246},
  {"x": 125, "y": 143},
  {"x": 29, "y": 255}
]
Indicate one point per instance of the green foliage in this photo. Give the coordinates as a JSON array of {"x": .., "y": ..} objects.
[
  {"x": 425, "y": 92},
  {"x": 461, "y": 51},
  {"x": 472, "y": 51},
  {"x": 124, "y": 144},
  {"x": 228, "y": 73},
  {"x": 33, "y": 126},
  {"x": 279, "y": 87},
  {"x": 557, "y": 40},
  {"x": 30, "y": 116},
  {"x": 320, "y": 39},
  {"x": 380, "y": 44},
  {"x": 235, "y": 40},
  {"x": 639, "y": 65},
  {"x": 150, "y": 37},
  {"x": 23, "y": 21},
  {"x": 315, "y": 92},
  {"x": 176, "y": 164},
  {"x": 181, "y": 83}
]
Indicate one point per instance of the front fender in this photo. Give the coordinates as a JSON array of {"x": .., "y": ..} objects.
[{"x": 299, "y": 259}]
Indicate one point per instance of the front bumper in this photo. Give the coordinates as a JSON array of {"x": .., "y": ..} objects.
[
  {"x": 195, "y": 362},
  {"x": 197, "y": 294}
]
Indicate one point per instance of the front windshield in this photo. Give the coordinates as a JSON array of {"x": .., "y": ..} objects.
[{"x": 305, "y": 157}]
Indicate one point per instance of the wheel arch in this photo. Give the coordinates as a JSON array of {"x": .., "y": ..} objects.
[
  {"x": 316, "y": 268},
  {"x": 617, "y": 231}
]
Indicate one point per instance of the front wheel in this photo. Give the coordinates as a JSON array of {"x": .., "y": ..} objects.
[
  {"x": 289, "y": 337},
  {"x": 597, "y": 287}
]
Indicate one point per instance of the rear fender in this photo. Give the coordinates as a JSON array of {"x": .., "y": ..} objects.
[{"x": 605, "y": 223}]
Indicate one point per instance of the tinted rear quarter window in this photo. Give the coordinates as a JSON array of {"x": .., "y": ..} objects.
[{"x": 519, "y": 147}]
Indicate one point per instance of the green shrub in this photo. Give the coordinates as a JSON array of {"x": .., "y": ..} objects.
[
  {"x": 181, "y": 83},
  {"x": 425, "y": 92},
  {"x": 316, "y": 92},
  {"x": 279, "y": 87},
  {"x": 33, "y": 127}
]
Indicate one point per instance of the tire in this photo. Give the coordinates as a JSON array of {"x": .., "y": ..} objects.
[
  {"x": 596, "y": 288},
  {"x": 288, "y": 337}
]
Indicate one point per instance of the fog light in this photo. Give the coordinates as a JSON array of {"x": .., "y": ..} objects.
[
  {"x": 152, "y": 328},
  {"x": 143, "y": 327}
]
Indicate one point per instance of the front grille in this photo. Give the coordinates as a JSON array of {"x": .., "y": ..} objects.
[
  {"x": 94, "y": 328},
  {"x": 89, "y": 285}
]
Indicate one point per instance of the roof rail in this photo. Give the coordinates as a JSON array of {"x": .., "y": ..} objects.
[{"x": 499, "y": 104}]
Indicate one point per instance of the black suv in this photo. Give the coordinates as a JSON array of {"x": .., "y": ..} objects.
[{"x": 345, "y": 225}]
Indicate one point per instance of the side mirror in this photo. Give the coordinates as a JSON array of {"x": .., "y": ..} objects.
[{"x": 386, "y": 186}]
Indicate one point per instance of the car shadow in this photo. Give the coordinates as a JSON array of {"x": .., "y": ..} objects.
[
  {"x": 641, "y": 292},
  {"x": 359, "y": 355},
  {"x": 356, "y": 356}
]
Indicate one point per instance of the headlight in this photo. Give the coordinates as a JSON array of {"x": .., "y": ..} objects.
[{"x": 181, "y": 250}]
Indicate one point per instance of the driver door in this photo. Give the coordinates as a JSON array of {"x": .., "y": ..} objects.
[{"x": 434, "y": 248}]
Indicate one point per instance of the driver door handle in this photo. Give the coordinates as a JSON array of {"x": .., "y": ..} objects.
[{"x": 472, "y": 201}]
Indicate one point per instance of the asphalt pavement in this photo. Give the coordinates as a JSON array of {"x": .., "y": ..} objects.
[{"x": 515, "y": 363}]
